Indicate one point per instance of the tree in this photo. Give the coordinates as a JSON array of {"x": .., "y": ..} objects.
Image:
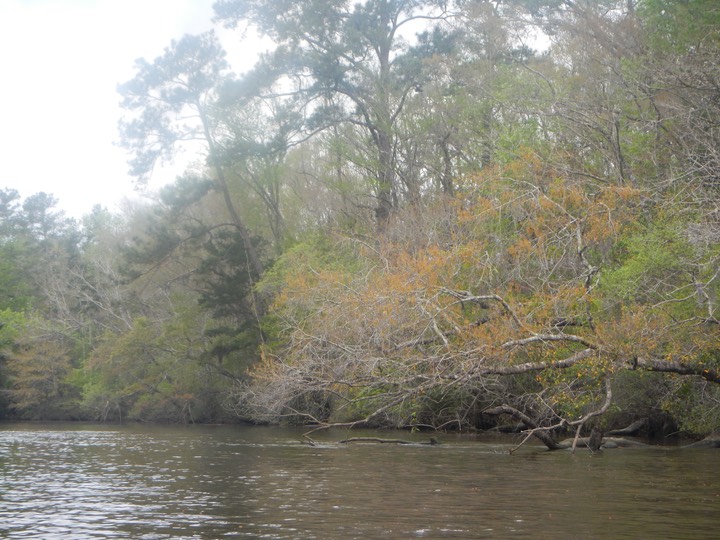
[
  {"x": 34, "y": 236},
  {"x": 348, "y": 64},
  {"x": 11, "y": 325},
  {"x": 15, "y": 287},
  {"x": 260, "y": 130},
  {"x": 519, "y": 315},
  {"x": 172, "y": 100},
  {"x": 161, "y": 370},
  {"x": 38, "y": 375}
]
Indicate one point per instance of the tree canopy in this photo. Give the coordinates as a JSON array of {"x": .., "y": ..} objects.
[{"x": 420, "y": 214}]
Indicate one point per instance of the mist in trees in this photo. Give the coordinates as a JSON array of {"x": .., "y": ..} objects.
[{"x": 407, "y": 215}]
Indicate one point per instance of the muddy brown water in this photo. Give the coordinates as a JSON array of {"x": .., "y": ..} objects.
[{"x": 152, "y": 482}]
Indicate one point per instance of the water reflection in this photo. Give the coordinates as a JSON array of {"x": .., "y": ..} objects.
[{"x": 212, "y": 482}]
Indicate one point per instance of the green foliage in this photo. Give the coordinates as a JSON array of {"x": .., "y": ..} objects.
[
  {"x": 11, "y": 326},
  {"x": 694, "y": 406},
  {"x": 455, "y": 223},
  {"x": 225, "y": 276},
  {"x": 15, "y": 287},
  {"x": 681, "y": 25},
  {"x": 655, "y": 265},
  {"x": 162, "y": 91},
  {"x": 157, "y": 371},
  {"x": 318, "y": 252},
  {"x": 351, "y": 61}
]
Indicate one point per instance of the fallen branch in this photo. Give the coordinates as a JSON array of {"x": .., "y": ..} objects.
[
  {"x": 543, "y": 432},
  {"x": 602, "y": 410},
  {"x": 606, "y": 442},
  {"x": 711, "y": 441},
  {"x": 540, "y": 432},
  {"x": 544, "y": 338}
]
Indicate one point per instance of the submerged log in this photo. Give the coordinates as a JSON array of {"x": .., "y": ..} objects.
[
  {"x": 606, "y": 442},
  {"x": 433, "y": 441}
]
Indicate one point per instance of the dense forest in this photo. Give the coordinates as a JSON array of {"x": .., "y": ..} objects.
[{"x": 411, "y": 213}]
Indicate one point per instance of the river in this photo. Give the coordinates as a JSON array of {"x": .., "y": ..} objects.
[{"x": 152, "y": 482}]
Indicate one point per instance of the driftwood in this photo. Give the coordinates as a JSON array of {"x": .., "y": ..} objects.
[
  {"x": 595, "y": 442},
  {"x": 711, "y": 441},
  {"x": 433, "y": 441}
]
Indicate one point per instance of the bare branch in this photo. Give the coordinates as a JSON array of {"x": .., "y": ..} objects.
[
  {"x": 465, "y": 296},
  {"x": 541, "y": 433},
  {"x": 678, "y": 367},
  {"x": 537, "y": 366},
  {"x": 542, "y": 338}
]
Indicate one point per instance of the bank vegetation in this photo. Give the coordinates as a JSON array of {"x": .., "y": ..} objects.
[{"x": 417, "y": 214}]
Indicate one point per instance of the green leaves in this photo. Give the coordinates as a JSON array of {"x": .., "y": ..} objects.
[
  {"x": 159, "y": 370},
  {"x": 169, "y": 100},
  {"x": 347, "y": 65},
  {"x": 12, "y": 324},
  {"x": 455, "y": 221},
  {"x": 656, "y": 265},
  {"x": 680, "y": 26}
]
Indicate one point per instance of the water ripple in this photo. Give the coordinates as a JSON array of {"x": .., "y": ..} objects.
[{"x": 156, "y": 483}]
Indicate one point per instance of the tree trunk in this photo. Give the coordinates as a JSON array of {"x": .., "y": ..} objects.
[
  {"x": 222, "y": 185},
  {"x": 384, "y": 191},
  {"x": 595, "y": 440},
  {"x": 711, "y": 441}
]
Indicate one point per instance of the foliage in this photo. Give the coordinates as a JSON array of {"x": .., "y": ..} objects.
[
  {"x": 11, "y": 327},
  {"x": 38, "y": 375},
  {"x": 156, "y": 371},
  {"x": 406, "y": 217},
  {"x": 353, "y": 65},
  {"x": 532, "y": 276}
]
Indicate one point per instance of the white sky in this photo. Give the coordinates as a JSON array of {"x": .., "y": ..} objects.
[{"x": 60, "y": 64}]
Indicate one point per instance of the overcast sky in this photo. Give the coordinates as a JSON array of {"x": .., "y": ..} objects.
[{"x": 61, "y": 62}]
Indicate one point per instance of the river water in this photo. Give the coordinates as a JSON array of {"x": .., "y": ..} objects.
[{"x": 151, "y": 482}]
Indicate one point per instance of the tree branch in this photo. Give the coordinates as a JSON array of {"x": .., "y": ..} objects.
[
  {"x": 537, "y": 366},
  {"x": 540, "y": 432},
  {"x": 676, "y": 366},
  {"x": 465, "y": 296},
  {"x": 549, "y": 337}
]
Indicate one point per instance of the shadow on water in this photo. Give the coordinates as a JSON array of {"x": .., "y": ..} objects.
[{"x": 59, "y": 481}]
